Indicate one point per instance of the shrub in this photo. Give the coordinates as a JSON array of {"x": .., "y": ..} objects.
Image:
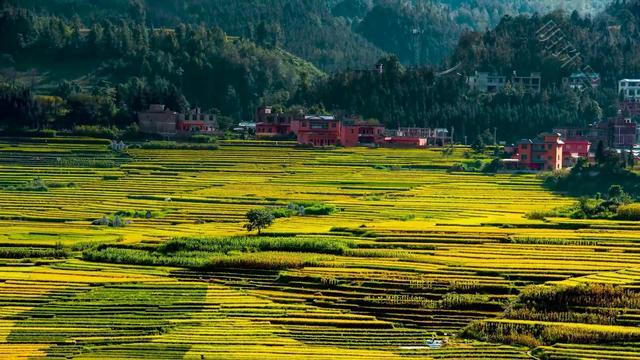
[
  {"x": 172, "y": 145},
  {"x": 203, "y": 139},
  {"x": 141, "y": 214},
  {"x": 203, "y": 260},
  {"x": 537, "y": 215},
  {"x": 34, "y": 185},
  {"x": 629, "y": 212},
  {"x": 30, "y": 133},
  {"x": 28, "y": 252},
  {"x": 407, "y": 217},
  {"x": 97, "y": 131},
  {"x": 493, "y": 167},
  {"x": 317, "y": 208},
  {"x": 114, "y": 221},
  {"x": 54, "y": 185},
  {"x": 86, "y": 163},
  {"x": 252, "y": 244}
]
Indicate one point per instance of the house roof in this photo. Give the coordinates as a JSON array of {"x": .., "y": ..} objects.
[{"x": 320, "y": 117}]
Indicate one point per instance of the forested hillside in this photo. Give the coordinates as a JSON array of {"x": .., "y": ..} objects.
[
  {"x": 109, "y": 70},
  {"x": 426, "y": 31},
  {"x": 334, "y": 34},
  {"x": 304, "y": 27}
]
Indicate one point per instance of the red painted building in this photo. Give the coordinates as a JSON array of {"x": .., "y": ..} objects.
[
  {"x": 405, "y": 142},
  {"x": 270, "y": 123},
  {"x": 618, "y": 132},
  {"x": 542, "y": 153},
  {"x": 162, "y": 121},
  {"x": 196, "y": 122},
  {"x": 573, "y": 150},
  {"x": 368, "y": 132},
  {"x": 320, "y": 130},
  {"x": 630, "y": 108},
  {"x": 326, "y": 130},
  {"x": 621, "y": 133}
]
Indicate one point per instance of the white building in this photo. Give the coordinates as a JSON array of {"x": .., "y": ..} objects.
[
  {"x": 630, "y": 89},
  {"x": 485, "y": 82}
]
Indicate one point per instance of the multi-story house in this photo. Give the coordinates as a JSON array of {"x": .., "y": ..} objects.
[
  {"x": 573, "y": 150},
  {"x": 158, "y": 119},
  {"x": 486, "y": 82},
  {"x": 271, "y": 123},
  {"x": 541, "y": 153},
  {"x": 197, "y": 122},
  {"x": 621, "y": 133},
  {"x": 323, "y": 130},
  {"x": 531, "y": 83},
  {"x": 629, "y": 89}
]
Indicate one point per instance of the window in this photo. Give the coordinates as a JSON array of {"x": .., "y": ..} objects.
[
  {"x": 524, "y": 157},
  {"x": 333, "y": 125}
]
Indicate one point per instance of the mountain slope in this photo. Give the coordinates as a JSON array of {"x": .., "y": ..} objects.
[
  {"x": 304, "y": 27},
  {"x": 334, "y": 34},
  {"x": 134, "y": 65}
]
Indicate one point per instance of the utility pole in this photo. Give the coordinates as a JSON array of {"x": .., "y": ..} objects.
[
  {"x": 453, "y": 131},
  {"x": 495, "y": 136}
]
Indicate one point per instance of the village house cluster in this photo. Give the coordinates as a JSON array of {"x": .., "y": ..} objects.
[
  {"x": 565, "y": 145},
  {"x": 340, "y": 130},
  {"x": 549, "y": 151},
  {"x": 531, "y": 83}
]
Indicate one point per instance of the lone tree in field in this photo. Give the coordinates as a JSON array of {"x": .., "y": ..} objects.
[{"x": 258, "y": 219}]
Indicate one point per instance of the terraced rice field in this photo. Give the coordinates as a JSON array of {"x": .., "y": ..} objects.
[{"x": 431, "y": 252}]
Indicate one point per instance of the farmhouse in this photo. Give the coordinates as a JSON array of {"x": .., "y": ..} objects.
[
  {"x": 486, "y": 82},
  {"x": 542, "y": 153},
  {"x": 530, "y": 83},
  {"x": 417, "y": 137},
  {"x": 195, "y": 121},
  {"x": 270, "y": 122},
  {"x": 617, "y": 132},
  {"x": 573, "y": 150},
  {"x": 322, "y": 130},
  {"x": 158, "y": 119},
  {"x": 629, "y": 89},
  {"x": 493, "y": 83}
]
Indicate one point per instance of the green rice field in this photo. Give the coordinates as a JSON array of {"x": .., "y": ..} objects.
[{"x": 411, "y": 252}]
